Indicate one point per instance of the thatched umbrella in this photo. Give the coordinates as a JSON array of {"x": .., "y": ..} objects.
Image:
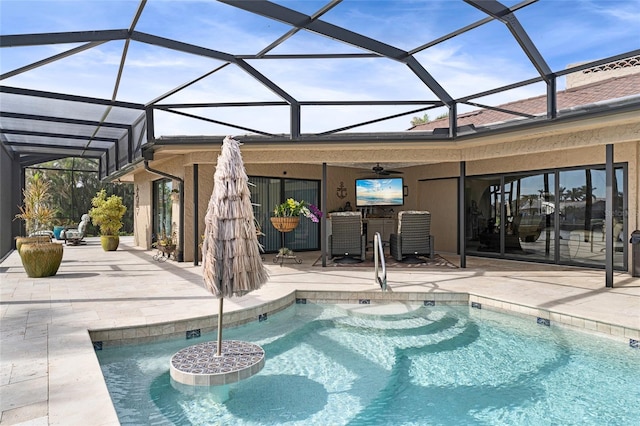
[{"x": 231, "y": 259}]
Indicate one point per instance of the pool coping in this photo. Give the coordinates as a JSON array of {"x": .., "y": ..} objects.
[{"x": 194, "y": 327}]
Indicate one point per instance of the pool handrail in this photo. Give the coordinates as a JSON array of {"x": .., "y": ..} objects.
[{"x": 378, "y": 256}]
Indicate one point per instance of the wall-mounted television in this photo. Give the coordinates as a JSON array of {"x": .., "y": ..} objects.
[{"x": 379, "y": 192}]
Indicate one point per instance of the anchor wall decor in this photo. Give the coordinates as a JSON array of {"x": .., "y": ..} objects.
[{"x": 342, "y": 191}]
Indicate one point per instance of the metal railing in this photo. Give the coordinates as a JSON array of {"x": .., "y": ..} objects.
[{"x": 380, "y": 265}]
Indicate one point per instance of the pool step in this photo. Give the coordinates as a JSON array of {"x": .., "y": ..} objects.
[{"x": 380, "y": 309}]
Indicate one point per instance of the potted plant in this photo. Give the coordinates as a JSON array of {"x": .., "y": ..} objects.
[
  {"x": 107, "y": 214},
  {"x": 166, "y": 244},
  {"x": 40, "y": 256},
  {"x": 286, "y": 216},
  {"x": 57, "y": 229}
]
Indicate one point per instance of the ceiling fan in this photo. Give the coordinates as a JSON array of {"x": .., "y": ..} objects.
[{"x": 381, "y": 171}]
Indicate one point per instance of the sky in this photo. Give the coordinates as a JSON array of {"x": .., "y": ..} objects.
[{"x": 564, "y": 31}]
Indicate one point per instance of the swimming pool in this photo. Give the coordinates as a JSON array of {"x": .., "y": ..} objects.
[{"x": 449, "y": 365}]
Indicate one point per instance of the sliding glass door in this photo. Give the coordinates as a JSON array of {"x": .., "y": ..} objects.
[
  {"x": 582, "y": 216},
  {"x": 530, "y": 222},
  {"x": 162, "y": 212},
  {"x": 268, "y": 192},
  {"x": 554, "y": 216}
]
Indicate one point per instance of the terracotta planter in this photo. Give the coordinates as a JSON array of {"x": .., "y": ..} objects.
[
  {"x": 109, "y": 242},
  {"x": 41, "y": 259},
  {"x": 285, "y": 224}
]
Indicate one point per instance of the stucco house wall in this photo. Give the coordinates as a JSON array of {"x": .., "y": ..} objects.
[{"x": 431, "y": 185}]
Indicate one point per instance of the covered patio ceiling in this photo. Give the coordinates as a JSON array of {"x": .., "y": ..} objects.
[{"x": 289, "y": 71}]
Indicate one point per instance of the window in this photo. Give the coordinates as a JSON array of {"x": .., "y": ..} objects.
[
  {"x": 162, "y": 218},
  {"x": 554, "y": 216}
]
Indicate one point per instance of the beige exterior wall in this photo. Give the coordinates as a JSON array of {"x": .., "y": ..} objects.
[
  {"x": 142, "y": 219},
  {"x": 439, "y": 197},
  {"x": 431, "y": 185},
  {"x": 143, "y": 199}
]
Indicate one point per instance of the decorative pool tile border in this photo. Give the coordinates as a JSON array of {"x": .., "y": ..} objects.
[
  {"x": 184, "y": 329},
  {"x": 150, "y": 333},
  {"x": 555, "y": 319},
  {"x": 377, "y": 297},
  {"x": 544, "y": 321}
]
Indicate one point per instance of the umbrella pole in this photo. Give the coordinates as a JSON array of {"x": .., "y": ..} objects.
[{"x": 219, "y": 353}]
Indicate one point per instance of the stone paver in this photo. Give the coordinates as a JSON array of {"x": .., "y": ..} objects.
[{"x": 49, "y": 374}]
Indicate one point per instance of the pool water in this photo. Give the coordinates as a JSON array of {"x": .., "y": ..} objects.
[{"x": 450, "y": 365}]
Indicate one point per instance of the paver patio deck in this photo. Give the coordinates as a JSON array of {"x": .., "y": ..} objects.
[{"x": 49, "y": 374}]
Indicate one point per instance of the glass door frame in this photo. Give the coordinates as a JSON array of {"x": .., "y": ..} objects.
[
  {"x": 501, "y": 195},
  {"x": 161, "y": 206}
]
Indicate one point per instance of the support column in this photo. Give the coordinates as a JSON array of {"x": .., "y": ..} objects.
[
  {"x": 196, "y": 221},
  {"x": 609, "y": 217},
  {"x": 462, "y": 217},
  {"x": 323, "y": 222}
]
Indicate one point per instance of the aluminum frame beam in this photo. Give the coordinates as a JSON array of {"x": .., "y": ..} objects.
[
  {"x": 69, "y": 97},
  {"x": 498, "y": 11},
  {"x": 65, "y": 120},
  {"x": 57, "y": 135},
  {"x": 21, "y": 40},
  {"x": 302, "y": 21}
]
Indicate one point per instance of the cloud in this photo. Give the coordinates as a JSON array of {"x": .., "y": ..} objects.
[
  {"x": 621, "y": 11},
  {"x": 481, "y": 59}
]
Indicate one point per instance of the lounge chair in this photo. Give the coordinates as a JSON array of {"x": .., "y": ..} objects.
[
  {"x": 347, "y": 242},
  {"x": 414, "y": 237},
  {"x": 76, "y": 236},
  {"x": 42, "y": 233}
]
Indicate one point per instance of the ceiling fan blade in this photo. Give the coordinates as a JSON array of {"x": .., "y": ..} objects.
[{"x": 381, "y": 171}]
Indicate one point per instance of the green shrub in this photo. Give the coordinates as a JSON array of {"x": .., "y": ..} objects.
[{"x": 107, "y": 213}]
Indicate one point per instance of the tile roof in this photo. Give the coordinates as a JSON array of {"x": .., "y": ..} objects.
[{"x": 605, "y": 90}]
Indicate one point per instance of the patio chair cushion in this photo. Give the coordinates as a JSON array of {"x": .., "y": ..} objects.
[{"x": 75, "y": 236}]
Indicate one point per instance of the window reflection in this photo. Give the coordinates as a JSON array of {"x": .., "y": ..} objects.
[
  {"x": 582, "y": 216},
  {"x": 532, "y": 201},
  {"x": 514, "y": 216},
  {"x": 162, "y": 209}
]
